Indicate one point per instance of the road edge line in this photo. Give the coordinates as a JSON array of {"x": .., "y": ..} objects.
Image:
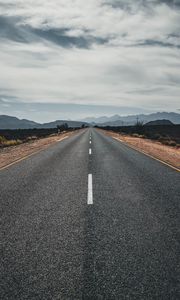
[
  {"x": 29, "y": 155},
  {"x": 149, "y": 155}
]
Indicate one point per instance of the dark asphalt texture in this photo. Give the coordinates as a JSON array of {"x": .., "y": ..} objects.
[{"x": 55, "y": 246}]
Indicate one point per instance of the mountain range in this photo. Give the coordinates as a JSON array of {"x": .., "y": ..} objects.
[
  {"x": 118, "y": 120},
  {"x": 8, "y": 122}
]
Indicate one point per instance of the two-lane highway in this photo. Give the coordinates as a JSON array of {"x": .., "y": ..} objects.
[{"x": 89, "y": 218}]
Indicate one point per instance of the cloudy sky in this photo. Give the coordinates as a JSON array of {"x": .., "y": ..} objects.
[{"x": 75, "y": 58}]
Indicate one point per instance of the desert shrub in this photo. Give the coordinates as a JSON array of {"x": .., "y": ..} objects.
[
  {"x": 172, "y": 143},
  {"x": 169, "y": 143},
  {"x": 163, "y": 139},
  {"x": 8, "y": 143},
  {"x": 31, "y": 138},
  {"x": 12, "y": 143},
  {"x": 2, "y": 139},
  {"x": 135, "y": 135}
]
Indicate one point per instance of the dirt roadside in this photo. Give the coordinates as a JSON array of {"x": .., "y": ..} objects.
[
  {"x": 9, "y": 155},
  {"x": 170, "y": 155}
]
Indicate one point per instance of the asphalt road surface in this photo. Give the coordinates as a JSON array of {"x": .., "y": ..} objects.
[{"x": 89, "y": 218}]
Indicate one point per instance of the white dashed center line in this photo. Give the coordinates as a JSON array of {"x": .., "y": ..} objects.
[
  {"x": 90, "y": 151},
  {"x": 90, "y": 190},
  {"x": 89, "y": 142}
]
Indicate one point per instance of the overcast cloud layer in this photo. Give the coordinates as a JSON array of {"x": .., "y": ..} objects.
[{"x": 122, "y": 53}]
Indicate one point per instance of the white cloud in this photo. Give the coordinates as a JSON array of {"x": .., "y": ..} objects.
[{"x": 137, "y": 63}]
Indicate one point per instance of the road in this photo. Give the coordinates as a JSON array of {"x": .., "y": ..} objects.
[{"x": 89, "y": 224}]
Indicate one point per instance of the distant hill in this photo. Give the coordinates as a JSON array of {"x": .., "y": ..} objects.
[
  {"x": 102, "y": 119},
  {"x": 132, "y": 119},
  {"x": 8, "y": 122},
  {"x": 159, "y": 122}
]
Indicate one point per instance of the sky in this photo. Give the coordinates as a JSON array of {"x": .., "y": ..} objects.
[{"x": 70, "y": 59}]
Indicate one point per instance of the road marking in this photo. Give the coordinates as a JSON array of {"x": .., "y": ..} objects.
[
  {"x": 29, "y": 155},
  {"x": 149, "y": 155},
  {"x": 89, "y": 142},
  {"x": 90, "y": 190},
  {"x": 90, "y": 151}
]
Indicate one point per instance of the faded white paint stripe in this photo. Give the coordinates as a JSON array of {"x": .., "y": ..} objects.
[
  {"x": 90, "y": 151},
  {"x": 90, "y": 190}
]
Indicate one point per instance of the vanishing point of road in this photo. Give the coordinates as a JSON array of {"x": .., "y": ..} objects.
[{"x": 89, "y": 218}]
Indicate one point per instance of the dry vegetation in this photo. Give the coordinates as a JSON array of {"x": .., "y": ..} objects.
[
  {"x": 165, "y": 134},
  {"x": 6, "y": 143}
]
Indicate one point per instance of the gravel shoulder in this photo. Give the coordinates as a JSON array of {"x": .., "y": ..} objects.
[
  {"x": 170, "y": 155},
  {"x": 9, "y": 155}
]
